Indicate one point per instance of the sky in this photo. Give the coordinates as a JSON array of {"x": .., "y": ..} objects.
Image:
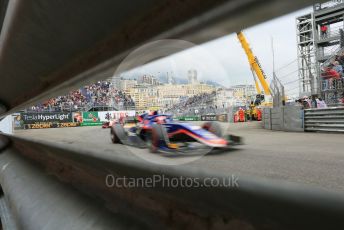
[{"x": 223, "y": 60}]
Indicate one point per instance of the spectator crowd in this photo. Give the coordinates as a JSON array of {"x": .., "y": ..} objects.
[
  {"x": 102, "y": 93},
  {"x": 332, "y": 74},
  {"x": 312, "y": 102},
  {"x": 199, "y": 104}
]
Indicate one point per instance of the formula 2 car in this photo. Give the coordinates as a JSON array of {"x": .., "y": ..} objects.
[
  {"x": 127, "y": 120},
  {"x": 161, "y": 133},
  {"x": 108, "y": 124}
]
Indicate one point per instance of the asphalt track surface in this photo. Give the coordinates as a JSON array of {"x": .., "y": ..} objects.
[{"x": 315, "y": 159}]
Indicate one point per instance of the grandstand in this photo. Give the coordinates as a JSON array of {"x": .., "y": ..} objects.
[
  {"x": 101, "y": 95},
  {"x": 320, "y": 39},
  {"x": 202, "y": 104}
]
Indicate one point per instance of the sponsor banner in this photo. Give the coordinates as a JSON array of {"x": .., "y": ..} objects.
[
  {"x": 60, "y": 119},
  {"x": 188, "y": 118},
  {"x": 111, "y": 115},
  {"x": 77, "y": 117},
  {"x": 47, "y": 125},
  {"x": 18, "y": 123},
  {"x": 90, "y": 119},
  {"x": 208, "y": 117},
  {"x": 222, "y": 117},
  {"x": 91, "y": 124},
  {"x": 34, "y": 118},
  {"x": 140, "y": 112}
]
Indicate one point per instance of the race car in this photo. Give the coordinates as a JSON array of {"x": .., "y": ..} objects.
[
  {"x": 159, "y": 132},
  {"x": 108, "y": 124},
  {"x": 127, "y": 120}
]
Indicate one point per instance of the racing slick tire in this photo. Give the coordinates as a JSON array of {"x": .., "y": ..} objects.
[
  {"x": 117, "y": 134},
  {"x": 158, "y": 136},
  {"x": 213, "y": 127}
]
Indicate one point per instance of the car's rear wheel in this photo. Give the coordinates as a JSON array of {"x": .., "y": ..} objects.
[
  {"x": 213, "y": 127},
  {"x": 117, "y": 134},
  {"x": 157, "y": 137}
]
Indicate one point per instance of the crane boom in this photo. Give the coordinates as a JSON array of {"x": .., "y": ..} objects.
[
  {"x": 259, "y": 91},
  {"x": 255, "y": 65}
]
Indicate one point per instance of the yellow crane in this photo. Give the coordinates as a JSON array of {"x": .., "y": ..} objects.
[{"x": 257, "y": 71}]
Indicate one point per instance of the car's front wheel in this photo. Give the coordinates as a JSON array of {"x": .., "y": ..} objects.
[
  {"x": 157, "y": 137},
  {"x": 117, "y": 134}
]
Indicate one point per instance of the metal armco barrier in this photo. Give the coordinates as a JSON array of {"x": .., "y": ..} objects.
[
  {"x": 47, "y": 203},
  {"x": 252, "y": 203},
  {"x": 325, "y": 120}
]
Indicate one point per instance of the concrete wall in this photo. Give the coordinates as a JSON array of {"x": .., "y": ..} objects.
[
  {"x": 283, "y": 118},
  {"x": 293, "y": 119},
  {"x": 266, "y": 118},
  {"x": 277, "y": 118}
]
